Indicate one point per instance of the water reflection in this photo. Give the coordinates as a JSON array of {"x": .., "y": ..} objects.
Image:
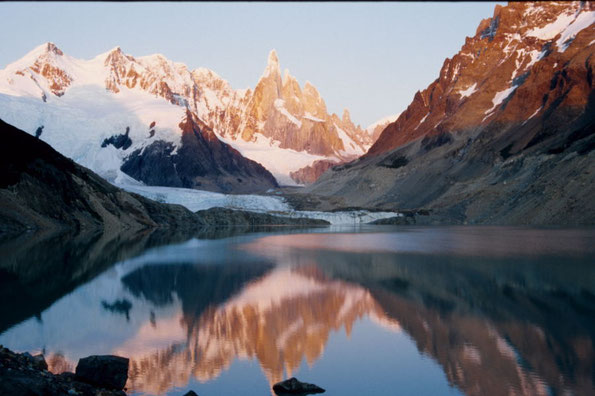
[
  {"x": 280, "y": 318},
  {"x": 497, "y": 322}
]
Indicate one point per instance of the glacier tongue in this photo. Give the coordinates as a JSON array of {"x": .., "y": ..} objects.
[{"x": 195, "y": 200}]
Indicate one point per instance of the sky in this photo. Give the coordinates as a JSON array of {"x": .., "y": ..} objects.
[{"x": 370, "y": 58}]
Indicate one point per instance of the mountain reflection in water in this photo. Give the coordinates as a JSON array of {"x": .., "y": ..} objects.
[{"x": 497, "y": 321}]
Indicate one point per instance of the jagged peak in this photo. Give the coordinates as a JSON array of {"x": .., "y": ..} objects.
[
  {"x": 51, "y": 47},
  {"x": 272, "y": 64},
  {"x": 43, "y": 49},
  {"x": 310, "y": 88},
  {"x": 205, "y": 72},
  {"x": 273, "y": 59},
  {"x": 286, "y": 76},
  {"x": 346, "y": 116}
]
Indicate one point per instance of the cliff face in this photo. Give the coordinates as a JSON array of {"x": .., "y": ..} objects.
[
  {"x": 524, "y": 62},
  {"x": 504, "y": 135}
]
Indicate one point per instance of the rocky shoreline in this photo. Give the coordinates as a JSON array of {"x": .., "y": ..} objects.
[
  {"x": 105, "y": 375},
  {"x": 23, "y": 374}
]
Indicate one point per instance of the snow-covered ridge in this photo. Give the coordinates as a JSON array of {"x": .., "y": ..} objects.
[
  {"x": 383, "y": 121},
  {"x": 46, "y": 74},
  {"x": 567, "y": 25}
]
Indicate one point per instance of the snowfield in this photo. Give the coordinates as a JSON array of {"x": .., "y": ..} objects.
[{"x": 195, "y": 200}]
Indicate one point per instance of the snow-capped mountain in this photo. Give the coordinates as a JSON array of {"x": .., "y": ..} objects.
[
  {"x": 123, "y": 117},
  {"x": 280, "y": 124},
  {"x": 160, "y": 123},
  {"x": 504, "y": 72},
  {"x": 504, "y": 134}
]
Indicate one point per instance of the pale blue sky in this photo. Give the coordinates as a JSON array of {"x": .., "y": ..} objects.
[{"x": 368, "y": 57}]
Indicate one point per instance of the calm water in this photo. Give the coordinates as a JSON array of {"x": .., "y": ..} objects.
[{"x": 367, "y": 311}]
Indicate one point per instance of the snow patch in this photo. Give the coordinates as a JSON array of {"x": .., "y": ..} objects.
[
  {"x": 279, "y": 161},
  {"x": 551, "y": 30},
  {"x": 350, "y": 147},
  {"x": 468, "y": 92},
  {"x": 567, "y": 25},
  {"x": 309, "y": 116},
  {"x": 583, "y": 21},
  {"x": 499, "y": 98},
  {"x": 280, "y": 106}
]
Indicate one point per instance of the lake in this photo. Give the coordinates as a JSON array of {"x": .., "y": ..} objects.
[{"x": 356, "y": 310}]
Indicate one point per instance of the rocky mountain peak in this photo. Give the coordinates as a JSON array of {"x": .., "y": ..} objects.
[
  {"x": 346, "y": 116},
  {"x": 51, "y": 47},
  {"x": 499, "y": 132},
  {"x": 519, "y": 45},
  {"x": 272, "y": 65}
]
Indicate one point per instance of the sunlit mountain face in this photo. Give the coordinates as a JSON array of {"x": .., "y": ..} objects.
[{"x": 241, "y": 313}]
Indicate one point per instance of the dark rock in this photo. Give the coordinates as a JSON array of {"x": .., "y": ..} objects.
[
  {"x": 39, "y": 362},
  {"x": 122, "y": 141},
  {"x": 293, "y": 386},
  {"x": 38, "y": 131},
  {"x": 106, "y": 371},
  {"x": 190, "y": 393},
  {"x": 201, "y": 160},
  {"x": 19, "y": 377}
]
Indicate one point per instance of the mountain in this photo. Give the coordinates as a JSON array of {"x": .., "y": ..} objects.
[
  {"x": 40, "y": 189},
  {"x": 162, "y": 124},
  {"x": 309, "y": 174},
  {"x": 503, "y": 135},
  {"x": 278, "y": 123},
  {"x": 376, "y": 128},
  {"x": 122, "y": 117}
]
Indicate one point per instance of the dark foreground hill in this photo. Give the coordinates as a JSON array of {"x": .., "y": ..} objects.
[{"x": 42, "y": 189}]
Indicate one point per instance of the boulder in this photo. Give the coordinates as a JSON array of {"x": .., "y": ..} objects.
[
  {"x": 107, "y": 371},
  {"x": 293, "y": 386},
  {"x": 37, "y": 361},
  {"x": 190, "y": 393}
]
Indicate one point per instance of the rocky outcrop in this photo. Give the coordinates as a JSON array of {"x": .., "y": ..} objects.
[
  {"x": 202, "y": 162},
  {"x": 503, "y": 136},
  {"x": 105, "y": 371},
  {"x": 309, "y": 174},
  {"x": 20, "y": 374},
  {"x": 293, "y": 386}
]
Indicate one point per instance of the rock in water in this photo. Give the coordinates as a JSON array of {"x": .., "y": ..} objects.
[
  {"x": 107, "y": 371},
  {"x": 190, "y": 393},
  {"x": 293, "y": 386}
]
